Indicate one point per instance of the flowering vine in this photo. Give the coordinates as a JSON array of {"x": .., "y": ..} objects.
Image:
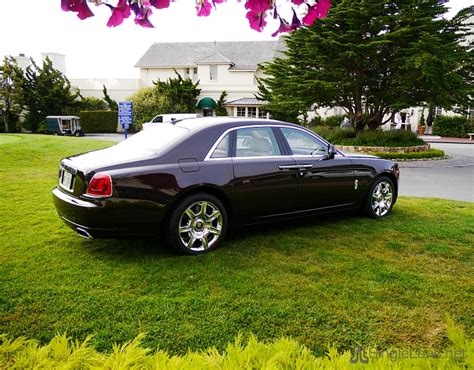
[{"x": 304, "y": 12}]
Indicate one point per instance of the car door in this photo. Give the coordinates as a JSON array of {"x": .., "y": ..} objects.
[
  {"x": 260, "y": 187},
  {"x": 323, "y": 182}
]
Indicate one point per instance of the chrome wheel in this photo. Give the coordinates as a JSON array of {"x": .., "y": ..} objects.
[
  {"x": 200, "y": 226},
  {"x": 382, "y": 197}
]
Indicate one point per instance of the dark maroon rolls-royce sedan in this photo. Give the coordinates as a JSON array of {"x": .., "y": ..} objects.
[{"x": 192, "y": 179}]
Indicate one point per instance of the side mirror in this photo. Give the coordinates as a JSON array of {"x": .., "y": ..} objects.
[{"x": 332, "y": 151}]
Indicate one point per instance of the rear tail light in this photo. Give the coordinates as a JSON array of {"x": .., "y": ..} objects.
[{"x": 100, "y": 186}]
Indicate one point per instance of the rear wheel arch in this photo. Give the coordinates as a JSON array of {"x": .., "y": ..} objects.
[
  {"x": 200, "y": 189},
  {"x": 197, "y": 222}
]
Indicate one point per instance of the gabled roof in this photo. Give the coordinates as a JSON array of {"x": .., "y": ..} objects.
[
  {"x": 240, "y": 55},
  {"x": 216, "y": 58}
]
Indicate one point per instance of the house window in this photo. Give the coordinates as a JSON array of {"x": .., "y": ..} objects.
[
  {"x": 241, "y": 112},
  {"x": 262, "y": 113},
  {"x": 438, "y": 111},
  {"x": 213, "y": 73},
  {"x": 252, "y": 111}
]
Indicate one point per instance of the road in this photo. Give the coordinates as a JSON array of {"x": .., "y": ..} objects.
[
  {"x": 452, "y": 178},
  {"x": 449, "y": 179}
]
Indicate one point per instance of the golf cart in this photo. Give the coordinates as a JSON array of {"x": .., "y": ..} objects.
[{"x": 64, "y": 125}]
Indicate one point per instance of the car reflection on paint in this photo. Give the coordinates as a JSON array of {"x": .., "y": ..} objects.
[{"x": 191, "y": 180}]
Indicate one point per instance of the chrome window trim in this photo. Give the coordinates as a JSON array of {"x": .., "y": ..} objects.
[
  {"x": 261, "y": 157},
  {"x": 214, "y": 146}
]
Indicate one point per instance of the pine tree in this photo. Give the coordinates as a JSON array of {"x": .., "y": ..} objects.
[
  {"x": 373, "y": 58},
  {"x": 45, "y": 91},
  {"x": 10, "y": 74},
  {"x": 180, "y": 94},
  {"x": 220, "y": 108}
]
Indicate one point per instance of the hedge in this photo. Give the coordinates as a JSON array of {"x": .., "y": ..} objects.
[
  {"x": 63, "y": 352},
  {"x": 434, "y": 153},
  {"x": 456, "y": 126},
  {"x": 390, "y": 138},
  {"x": 99, "y": 121}
]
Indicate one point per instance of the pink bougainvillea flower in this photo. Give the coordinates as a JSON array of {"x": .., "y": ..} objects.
[
  {"x": 318, "y": 10},
  {"x": 203, "y": 8},
  {"x": 258, "y": 6},
  {"x": 257, "y": 13},
  {"x": 257, "y": 20},
  {"x": 78, "y": 6},
  {"x": 285, "y": 27},
  {"x": 119, "y": 13},
  {"x": 297, "y": 2},
  {"x": 142, "y": 12},
  {"x": 160, "y": 4}
]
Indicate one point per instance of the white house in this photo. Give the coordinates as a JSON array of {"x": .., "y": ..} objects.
[{"x": 230, "y": 66}]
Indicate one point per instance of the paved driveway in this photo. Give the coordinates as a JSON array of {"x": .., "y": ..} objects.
[{"x": 450, "y": 179}]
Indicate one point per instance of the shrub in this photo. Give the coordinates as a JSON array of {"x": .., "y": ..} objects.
[
  {"x": 99, "y": 121},
  {"x": 456, "y": 126},
  {"x": 284, "y": 353},
  {"x": 435, "y": 153},
  {"x": 333, "y": 121},
  {"x": 369, "y": 137},
  {"x": 385, "y": 138},
  {"x": 335, "y": 135},
  {"x": 315, "y": 121},
  {"x": 147, "y": 103}
]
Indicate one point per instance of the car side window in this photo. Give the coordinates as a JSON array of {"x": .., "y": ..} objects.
[
  {"x": 301, "y": 143},
  {"x": 256, "y": 142},
  {"x": 222, "y": 149}
]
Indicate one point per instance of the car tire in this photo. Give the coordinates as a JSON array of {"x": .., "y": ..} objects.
[
  {"x": 197, "y": 224},
  {"x": 380, "y": 198}
]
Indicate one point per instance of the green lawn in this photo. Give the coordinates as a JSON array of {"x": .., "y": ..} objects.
[{"x": 342, "y": 280}]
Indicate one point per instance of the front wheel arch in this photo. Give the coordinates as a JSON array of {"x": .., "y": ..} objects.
[{"x": 383, "y": 179}]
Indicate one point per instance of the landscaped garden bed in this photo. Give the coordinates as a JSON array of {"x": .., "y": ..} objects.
[
  {"x": 394, "y": 144},
  {"x": 343, "y": 280}
]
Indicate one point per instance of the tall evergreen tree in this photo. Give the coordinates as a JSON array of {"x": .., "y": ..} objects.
[
  {"x": 180, "y": 94},
  {"x": 220, "y": 108},
  {"x": 45, "y": 91},
  {"x": 111, "y": 103},
  {"x": 373, "y": 58},
  {"x": 10, "y": 75}
]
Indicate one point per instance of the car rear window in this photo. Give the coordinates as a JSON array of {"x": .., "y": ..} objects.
[{"x": 155, "y": 139}]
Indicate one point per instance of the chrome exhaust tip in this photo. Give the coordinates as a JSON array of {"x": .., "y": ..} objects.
[{"x": 83, "y": 233}]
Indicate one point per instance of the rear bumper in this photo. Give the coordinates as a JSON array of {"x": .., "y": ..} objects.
[{"x": 97, "y": 218}]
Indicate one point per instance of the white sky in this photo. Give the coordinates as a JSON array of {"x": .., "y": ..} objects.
[{"x": 94, "y": 50}]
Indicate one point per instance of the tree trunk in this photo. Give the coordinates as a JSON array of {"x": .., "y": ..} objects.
[
  {"x": 376, "y": 120},
  {"x": 6, "y": 117}
]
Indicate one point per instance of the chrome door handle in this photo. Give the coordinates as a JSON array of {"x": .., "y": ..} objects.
[{"x": 297, "y": 167}]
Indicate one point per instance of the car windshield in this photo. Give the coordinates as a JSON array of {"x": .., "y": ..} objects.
[{"x": 154, "y": 139}]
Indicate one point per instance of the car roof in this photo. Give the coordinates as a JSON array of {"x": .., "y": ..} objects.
[{"x": 202, "y": 123}]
